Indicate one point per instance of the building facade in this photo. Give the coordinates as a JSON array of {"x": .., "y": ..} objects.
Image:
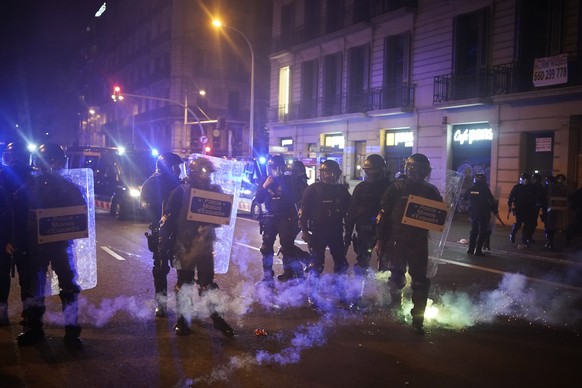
[
  {"x": 491, "y": 86},
  {"x": 185, "y": 84}
]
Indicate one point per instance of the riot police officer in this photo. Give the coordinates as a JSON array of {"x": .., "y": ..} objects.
[
  {"x": 280, "y": 193},
  {"x": 481, "y": 205},
  {"x": 154, "y": 194},
  {"x": 46, "y": 189},
  {"x": 364, "y": 207},
  {"x": 323, "y": 210},
  {"x": 522, "y": 202},
  {"x": 190, "y": 244},
  {"x": 15, "y": 170},
  {"x": 399, "y": 245}
]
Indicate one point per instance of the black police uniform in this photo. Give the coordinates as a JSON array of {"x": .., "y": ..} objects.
[
  {"x": 280, "y": 199},
  {"x": 11, "y": 179},
  {"x": 523, "y": 200},
  {"x": 45, "y": 191},
  {"x": 481, "y": 204},
  {"x": 190, "y": 245},
  {"x": 154, "y": 194},
  {"x": 364, "y": 207},
  {"x": 404, "y": 245},
  {"x": 323, "y": 210}
]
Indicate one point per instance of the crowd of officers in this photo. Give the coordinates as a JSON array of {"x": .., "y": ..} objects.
[
  {"x": 324, "y": 213},
  {"x": 328, "y": 216}
]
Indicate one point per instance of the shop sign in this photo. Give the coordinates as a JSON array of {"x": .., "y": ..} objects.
[
  {"x": 395, "y": 138},
  {"x": 472, "y": 135}
]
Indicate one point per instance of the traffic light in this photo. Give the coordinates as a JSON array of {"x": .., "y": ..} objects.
[
  {"x": 207, "y": 149},
  {"x": 116, "y": 96}
]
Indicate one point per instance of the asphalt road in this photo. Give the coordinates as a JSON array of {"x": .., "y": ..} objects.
[{"x": 511, "y": 318}]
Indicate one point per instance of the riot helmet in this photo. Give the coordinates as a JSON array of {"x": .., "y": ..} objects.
[
  {"x": 479, "y": 179},
  {"x": 168, "y": 163},
  {"x": 374, "y": 167},
  {"x": 298, "y": 168},
  {"x": 329, "y": 172},
  {"x": 49, "y": 157},
  {"x": 536, "y": 179},
  {"x": 200, "y": 171},
  {"x": 16, "y": 154},
  {"x": 524, "y": 178},
  {"x": 417, "y": 167},
  {"x": 276, "y": 166},
  {"x": 561, "y": 179}
]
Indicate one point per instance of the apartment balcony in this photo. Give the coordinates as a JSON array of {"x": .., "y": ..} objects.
[
  {"x": 372, "y": 101},
  {"x": 358, "y": 12},
  {"x": 510, "y": 78}
]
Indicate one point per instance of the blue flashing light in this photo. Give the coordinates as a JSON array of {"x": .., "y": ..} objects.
[
  {"x": 262, "y": 160},
  {"x": 31, "y": 147},
  {"x": 155, "y": 153}
]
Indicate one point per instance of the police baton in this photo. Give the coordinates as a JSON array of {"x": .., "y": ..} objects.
[{"x": 500, "y": 220}]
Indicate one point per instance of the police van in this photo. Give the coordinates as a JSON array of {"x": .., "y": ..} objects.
[{"x": 118, "y": 175}]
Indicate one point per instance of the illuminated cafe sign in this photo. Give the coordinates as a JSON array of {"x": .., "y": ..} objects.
[
  {"x": 395, "y": 138},
  {"x": 472, "y": 135}
]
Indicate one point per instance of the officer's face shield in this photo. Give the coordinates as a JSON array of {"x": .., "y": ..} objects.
[
  {"x": 275, "y": 170},
  {"x": 371, "y": 174},
  {"x": 328, "y": 176},
  {"x": 417, "y": 171},
  {"x": 177, "y": 169}
]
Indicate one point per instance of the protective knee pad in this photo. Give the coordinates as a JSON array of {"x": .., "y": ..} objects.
[
  {"x": 266, "y": 251},
  {"x": 421, "y": 284},
  {"x": 397, "y": 281}
]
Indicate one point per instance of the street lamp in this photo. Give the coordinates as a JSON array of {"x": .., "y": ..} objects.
[{"x": 216, "y": 23}]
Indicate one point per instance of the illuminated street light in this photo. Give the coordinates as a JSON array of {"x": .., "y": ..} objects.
[{"x": 216, "y": 23}]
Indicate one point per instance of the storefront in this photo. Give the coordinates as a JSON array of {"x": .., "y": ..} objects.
[
  {"x": 398, "y": 147},
  {"x": 471, "y": 153}
]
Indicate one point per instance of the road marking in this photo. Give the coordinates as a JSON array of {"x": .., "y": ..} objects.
[
  {"x": 108, "y": 250},
  {"x": 495, "y": 271}
]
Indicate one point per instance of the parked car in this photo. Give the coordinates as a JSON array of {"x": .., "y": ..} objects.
[{"x": 118, "y": 175}]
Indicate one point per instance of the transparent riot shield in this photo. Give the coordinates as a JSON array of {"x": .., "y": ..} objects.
[
  {"x": 84, "y": 249},
  {"x": 228, "y": 176},
  {"x": 450, "y": 184}
]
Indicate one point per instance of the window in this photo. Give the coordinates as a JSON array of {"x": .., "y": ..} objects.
[
  {"x": 312, "y": 21},
  {"x": 287, "y": 23},
  {"x": 332, "y": 78},
  {"x": 308, "y": 105},
  {"x": 471, "y": 54},
  {"x": 335, "y": 14},
  {"x": 395, "y": 91},
  {"x": 284, "y": 79},
  {"x": 357, "y": 78}
]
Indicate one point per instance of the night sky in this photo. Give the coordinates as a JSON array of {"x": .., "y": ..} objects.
[{"x": 39, "y": 54}]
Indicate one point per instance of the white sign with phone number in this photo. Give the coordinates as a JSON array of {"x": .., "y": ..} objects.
[{"x": 550, "y": 70}]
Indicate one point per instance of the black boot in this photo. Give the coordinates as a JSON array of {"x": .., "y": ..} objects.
[
  {"x": 72, "y": 338},
  {"x": 31, "y": 334},
  {"x": 181, "y": 327},
  {"x": 220, "y": 324}
]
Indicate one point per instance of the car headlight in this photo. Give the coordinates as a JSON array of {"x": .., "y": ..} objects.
[{"x": 134, "y": 192}]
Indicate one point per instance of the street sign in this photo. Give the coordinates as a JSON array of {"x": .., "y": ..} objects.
[{"x": 203, "y": 139}]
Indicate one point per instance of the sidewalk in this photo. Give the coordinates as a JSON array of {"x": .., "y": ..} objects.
[{"x": 461, "y": 227}]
